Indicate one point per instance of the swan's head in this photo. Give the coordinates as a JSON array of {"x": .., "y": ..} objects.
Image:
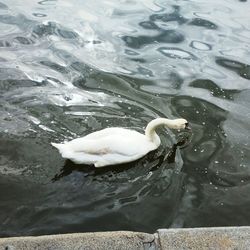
[
  {"x": 168, "y": 123},
  {"x": 179, "y": 124}
]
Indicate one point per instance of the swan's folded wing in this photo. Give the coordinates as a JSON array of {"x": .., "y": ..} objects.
[{"x": 112, "y": 144}]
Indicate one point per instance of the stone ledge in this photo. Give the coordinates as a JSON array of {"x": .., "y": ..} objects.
[
  {"x": 221, "y": 238},
  {"x": 121, "y": 240}
]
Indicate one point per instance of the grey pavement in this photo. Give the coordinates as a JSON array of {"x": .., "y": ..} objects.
[{"x": 222, "y": 238}]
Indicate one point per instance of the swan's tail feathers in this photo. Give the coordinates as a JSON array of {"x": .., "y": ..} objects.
[
  {"x": 57, "y": 145},
  {"x": 60, "y": 146},
  {"x": 63, "y": 149}
]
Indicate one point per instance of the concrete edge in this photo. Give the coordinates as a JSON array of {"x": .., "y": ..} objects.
[
  {"x": 224, "y": 238},
  {"x": 164, "y": 239},
  {"x": 99, "y": 240}
]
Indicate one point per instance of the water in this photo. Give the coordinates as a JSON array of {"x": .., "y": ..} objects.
[{"x": 68, "y": 68}]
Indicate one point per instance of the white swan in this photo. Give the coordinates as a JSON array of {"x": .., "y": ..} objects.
[{"x": 112, "y": 146}]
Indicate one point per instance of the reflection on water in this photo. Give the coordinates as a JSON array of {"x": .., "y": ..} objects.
[{"x": 123, "y": 63}]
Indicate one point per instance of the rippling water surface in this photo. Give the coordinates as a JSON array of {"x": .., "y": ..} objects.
[{"x": 68, "y": 68}]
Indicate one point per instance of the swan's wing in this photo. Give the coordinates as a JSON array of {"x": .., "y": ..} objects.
[
  {"x": 109, "y": 150},
  {"x": 127, "y": 143}
]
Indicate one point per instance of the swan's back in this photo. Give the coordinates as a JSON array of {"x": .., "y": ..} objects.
[{"x": 112, "y": 131}]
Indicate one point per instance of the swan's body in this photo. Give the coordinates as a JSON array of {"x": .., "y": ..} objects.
[{"x": 112, "y": 146}]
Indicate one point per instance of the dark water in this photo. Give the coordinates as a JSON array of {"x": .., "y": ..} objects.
[{"x": 68, "y": 68}]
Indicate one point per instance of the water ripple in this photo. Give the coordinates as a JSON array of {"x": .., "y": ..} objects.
[
  {"x": 241, "y": 69},
  {"x": 110, "y": 63},
  {"x": 200, "y": 46},
  {"x": 176, "y": 53},
  {"x": 203, "y": 23}
]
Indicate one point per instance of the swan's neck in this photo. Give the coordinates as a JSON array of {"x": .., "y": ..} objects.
[{"x": 153, "y": 125}]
